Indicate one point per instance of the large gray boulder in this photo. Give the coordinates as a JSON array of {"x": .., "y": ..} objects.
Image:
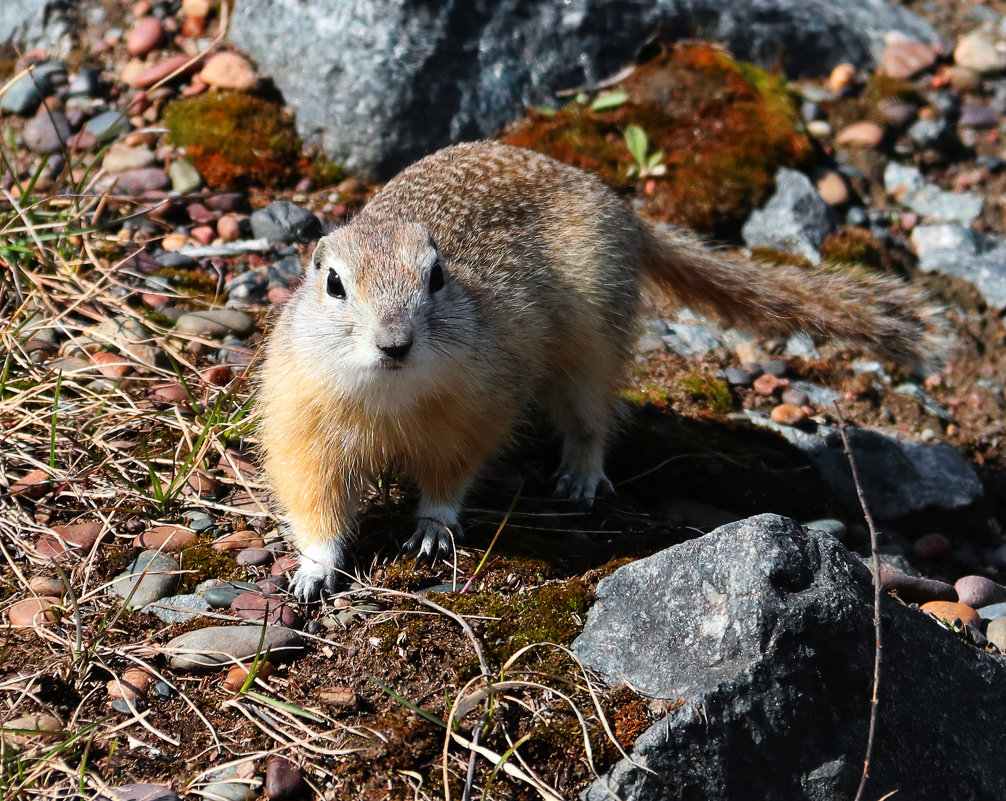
[
  {"x": 33, "y": 23},
  {"x": 381, "y": 83},
  {"x": 760, "y": 635}
]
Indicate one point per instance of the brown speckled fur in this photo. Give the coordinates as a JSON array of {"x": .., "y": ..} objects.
[{"x": 545, "y": 267}]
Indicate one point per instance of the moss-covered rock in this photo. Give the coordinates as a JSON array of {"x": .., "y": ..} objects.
[
  {"x": 724, "y": 127},
  {"x": 235, "y": 139}
]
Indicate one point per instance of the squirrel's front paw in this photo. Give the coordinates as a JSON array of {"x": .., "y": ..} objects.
[
  {"x": 433, "y": 540},
  {"x": 318, "y": 573},
  {"x": 582, "y": 489}
]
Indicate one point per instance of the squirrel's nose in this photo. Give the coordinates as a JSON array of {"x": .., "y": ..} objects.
[{"x": 396, "y": 349}]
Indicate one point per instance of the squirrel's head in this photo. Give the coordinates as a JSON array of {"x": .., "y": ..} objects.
[{"x": 384, "y": 317}]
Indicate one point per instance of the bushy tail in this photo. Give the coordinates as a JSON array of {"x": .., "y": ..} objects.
[{"x": 889, "y": 317}]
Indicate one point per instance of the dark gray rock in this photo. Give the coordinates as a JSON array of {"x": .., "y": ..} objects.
[
  {"x": 149, "y": 578},
  {"x": 221, "y": 645},
  {"x": 46, "y": 132},
  {"x": 179, "y": 608},
  {"x": 283, "y": 221},
  {"x": 959, "y": 251},
  {"x": 795, "y": 219},
  {"x": 107, "y": 125},
  {"x": 760, "y": 635},
  {"x": 401, "y": 78},
  {"x": 24, "y": 95},
  {"x": 898, "y": 477}
]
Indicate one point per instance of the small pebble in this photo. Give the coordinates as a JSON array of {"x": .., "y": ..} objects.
[
  {"x": 832, "y": 188},
  {"x": 906, "y": 59},
  {"x": 45, "y": 585},
  {"x": 41, "y": 725},
  {"x": 199, "y": 521},
  {"x": 46, "y": 132},
  {"x": 996, "y": 633},
  {"x": 254, "y": 557},
  {"x": 979, "y": 591},
  {"x": 111, "y": 365},
  {"x": 145, "y": 36},
  {"x": 835, "y": 528},
  {"x": 738, "y": 377},
  {"x": 185, "y": 178},
  {"x": 125, "y": 707},
  {"x": 228, "y": 71},
  {"x": 258, "y": 607},
  {"x": 842, "y": 77},
  {"x": 977, "y": 51},
  {"x": 165, "y": 538},
  {"x": 141, "y": 181},
  {"x": 222, "y": 595},
  {"x": 977, "y": 115},
  {"x": 788, "y": 415},
  {"x": 795, "y": 397},
  {"x": 145, "y": 78},
  {"x": 769, "y": 384},
  {"x": 179, "y": 608},
  {"x": 107, "y": 125},
  {"x": 214, "y": 323},
  {"x": 932, "y": 546},
  {"x": 237, "y": 675},
  {"x": 218, "y": 645},
  {"x": 283, "y": 780},
  {"x": 951, "y": 611},
  {"x": 122, "y": 158},
  {"x": 142, "y": 792},
  {"x": 913, "y": 589},
  {"x": 133, "y": 684},
  {"x": 149, "y": 578},
  {"x": 237, "y": 540},
  {"x": 33, "y": 613},
  {"x": 776, "y": 367},
  {"x": 864, "y": 134}
]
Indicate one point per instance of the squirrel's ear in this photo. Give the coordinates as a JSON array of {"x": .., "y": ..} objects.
[{"x": 316, "y": 258}]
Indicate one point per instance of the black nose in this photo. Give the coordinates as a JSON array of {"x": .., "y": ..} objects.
[{"x": 396, "y": 350}]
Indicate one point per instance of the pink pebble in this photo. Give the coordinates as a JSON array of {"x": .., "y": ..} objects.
[{"x": 932, "y": 546}]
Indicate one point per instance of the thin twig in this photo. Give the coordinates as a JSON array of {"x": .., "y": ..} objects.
[{"x": 874, "y": 702}]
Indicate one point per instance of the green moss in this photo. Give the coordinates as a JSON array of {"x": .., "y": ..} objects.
[
  {"x": 853, "y": 246},
  {"x": 202, "y": 561},
  {"x": 549, "y": 613},
  {"x": 711, "y": 391},
  {"x": 881, "y": 87},
  {"x": 235, "y": 139},
  {"x": 325, "y": 172},
  {"x": 641, "y": 396},
  {"x": 725, "y": 128}
]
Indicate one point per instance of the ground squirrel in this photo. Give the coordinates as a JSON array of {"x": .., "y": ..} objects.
[{"x": 479, "y": 280}]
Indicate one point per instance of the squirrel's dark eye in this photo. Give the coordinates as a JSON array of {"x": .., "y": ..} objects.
[
  {"x": 436, "y": 277},
  {"x": 334, "y": 285}
]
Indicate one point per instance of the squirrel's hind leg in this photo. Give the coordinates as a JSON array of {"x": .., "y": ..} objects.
[{"x": 582, "y": 408}]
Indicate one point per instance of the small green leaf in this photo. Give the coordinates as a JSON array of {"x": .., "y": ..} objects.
[
  {"x": 637, "y": 142},
  {"x": 548, "y": 111},
  {"x": 655, "y": 159},
  {"x": 608, "y": 100}
]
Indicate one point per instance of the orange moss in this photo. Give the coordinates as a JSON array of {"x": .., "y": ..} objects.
[{"x": 725, "y": 128}]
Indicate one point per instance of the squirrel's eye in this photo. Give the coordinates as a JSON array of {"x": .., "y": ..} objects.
[
  {"x": 334, "y": 285},
  {"x": 436, "y": 277}
]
